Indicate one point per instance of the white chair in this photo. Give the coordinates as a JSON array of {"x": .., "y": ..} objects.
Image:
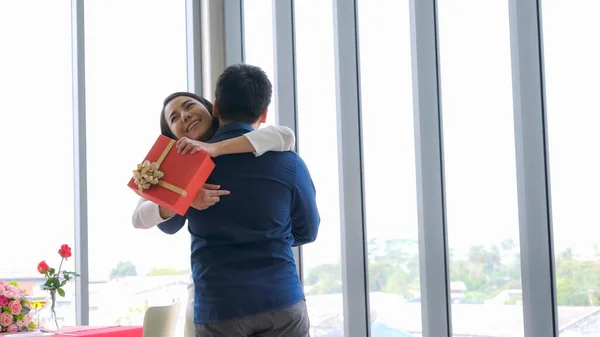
[{"x": 161, "y": 321}]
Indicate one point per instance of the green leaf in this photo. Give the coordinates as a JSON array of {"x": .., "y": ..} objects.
[
  {"x": 13, "y": 283},
  {"x": 61, "y": 292},
  {"x": 63, "y": 282},
  {"x": 20, "y": 316},
  {"x": 52, "y": 283},
  {"x": 51, "y": 271}
]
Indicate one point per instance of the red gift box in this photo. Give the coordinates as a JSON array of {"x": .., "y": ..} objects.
[{"x": 170, "y": 179}]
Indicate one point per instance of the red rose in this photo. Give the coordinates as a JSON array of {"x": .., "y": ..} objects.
[
  {"x": 65, "y": 251},
  {"x": 43, "y": 267}
]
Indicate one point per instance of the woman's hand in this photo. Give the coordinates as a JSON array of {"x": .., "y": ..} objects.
[
  {"x": 186, "y": 145},
  {"x": 209, "y": 195}
]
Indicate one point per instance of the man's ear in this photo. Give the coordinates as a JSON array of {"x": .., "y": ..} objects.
[
  {"x": 263, "y": 116},
  {"x": 215, "y": 109}
]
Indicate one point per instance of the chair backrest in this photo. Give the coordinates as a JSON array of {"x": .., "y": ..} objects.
[{"x": 161, "y": 321}]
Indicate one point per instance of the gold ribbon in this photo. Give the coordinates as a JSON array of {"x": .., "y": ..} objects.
[{"x": 149, "y": 174}]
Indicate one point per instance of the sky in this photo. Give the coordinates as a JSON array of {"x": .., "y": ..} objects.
[{"x": 136, "y": 56}]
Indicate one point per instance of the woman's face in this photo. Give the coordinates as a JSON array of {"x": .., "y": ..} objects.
[{"x": 187, "y": 117}]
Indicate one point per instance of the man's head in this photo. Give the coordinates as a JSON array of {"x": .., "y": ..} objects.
[{"x": 243, "y": 94}]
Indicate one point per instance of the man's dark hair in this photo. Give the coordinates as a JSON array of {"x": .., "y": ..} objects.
[{"x": 243, "y": 93}]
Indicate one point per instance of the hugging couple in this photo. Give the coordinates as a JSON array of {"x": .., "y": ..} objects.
[{"x": 257, "y": 204}]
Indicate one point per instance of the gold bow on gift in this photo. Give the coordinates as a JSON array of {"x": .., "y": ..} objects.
[
  {"x": 146, "y": 175},
  {"x": 149, "y": 174}
]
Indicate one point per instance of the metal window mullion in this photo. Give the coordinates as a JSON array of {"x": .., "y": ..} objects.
[
  {"x": 80, "y": 162},
  {"x": 193, "y": 34},
  {"x": 433, "y": 240},
  {"x": 350, "y": 163},
  {"x": 533, "y": 183},
  {"x": 233, "y": 23},
  {"x": 222, "y": 39},
  {"x": 285, "y": 79},
  {"x": 213, "y": 46}
]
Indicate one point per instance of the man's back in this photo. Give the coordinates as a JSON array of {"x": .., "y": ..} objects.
[
  {"x": 241, "y": 247},
  {"x": 245, "y": 278}
]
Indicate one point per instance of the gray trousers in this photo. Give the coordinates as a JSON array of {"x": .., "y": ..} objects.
[{"x": 287, "y": 322}]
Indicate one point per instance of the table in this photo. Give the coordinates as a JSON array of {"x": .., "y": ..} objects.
[
  {"x": 85, "y": 331},
  {"x": 113, "y": 331},
  {"x": 89, "y": 331}
]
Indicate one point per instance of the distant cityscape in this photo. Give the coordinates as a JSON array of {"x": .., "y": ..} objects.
[{"x": 123, "y": 300}]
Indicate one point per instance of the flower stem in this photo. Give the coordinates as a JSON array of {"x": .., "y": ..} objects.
[
  {"x": 52, "y": 307},
  {"x": 59, "y": 267}
]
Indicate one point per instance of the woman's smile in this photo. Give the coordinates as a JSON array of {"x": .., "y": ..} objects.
[{"x": 193, "y": 124}]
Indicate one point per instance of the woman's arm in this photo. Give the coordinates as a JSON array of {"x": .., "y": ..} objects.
[
  {"x": 148, "y": 214},
  {"x": 270, "y": 138}
]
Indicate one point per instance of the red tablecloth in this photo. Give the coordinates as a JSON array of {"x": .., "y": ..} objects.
[{"x": 113, "y": 331}]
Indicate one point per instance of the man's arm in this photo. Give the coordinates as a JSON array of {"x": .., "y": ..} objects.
[
  {"x": 305, "y": 215},
  {"x": 172, "y": 225},
  {"x": 148, "y": 214}
]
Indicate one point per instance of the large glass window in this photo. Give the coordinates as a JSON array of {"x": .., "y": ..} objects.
[
  {"x": 258, "y": 43},
  {"x": 571, "y": 56},
  {"x": 37, "y": 143},
  {"x": 480, "y": 170},
  {"x": 136, "y": 56},
  {"x": 318, "y": 147},
  {"x": 389, "y": 167}
]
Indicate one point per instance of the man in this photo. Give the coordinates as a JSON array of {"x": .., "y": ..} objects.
[{"x": 243, "y": 268}]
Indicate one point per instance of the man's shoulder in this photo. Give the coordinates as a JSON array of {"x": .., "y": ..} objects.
[
  {"x": 276, "y": 159},
  {"x": 280, "y": 155},
  {"x": 268, "y": 159}
]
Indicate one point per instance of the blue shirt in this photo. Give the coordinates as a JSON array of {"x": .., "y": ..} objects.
[{"x": 242, "y": 261}]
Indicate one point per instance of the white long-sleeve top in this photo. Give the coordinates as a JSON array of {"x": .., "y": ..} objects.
[{"x": 271, "y": 138}]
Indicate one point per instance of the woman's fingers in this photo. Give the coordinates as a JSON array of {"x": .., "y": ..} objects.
[
  {"x": 185, "y": 145},
  {"x": 200, "y": 146},
  {"x": 181, "y": 144},
  {"x": 187, "y": 148}
]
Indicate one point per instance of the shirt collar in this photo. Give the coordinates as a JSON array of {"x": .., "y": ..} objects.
[{"x": 232, "y": 127}]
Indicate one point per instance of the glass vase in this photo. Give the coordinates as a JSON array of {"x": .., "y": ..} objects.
[{"x": 51, "y": 321}]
